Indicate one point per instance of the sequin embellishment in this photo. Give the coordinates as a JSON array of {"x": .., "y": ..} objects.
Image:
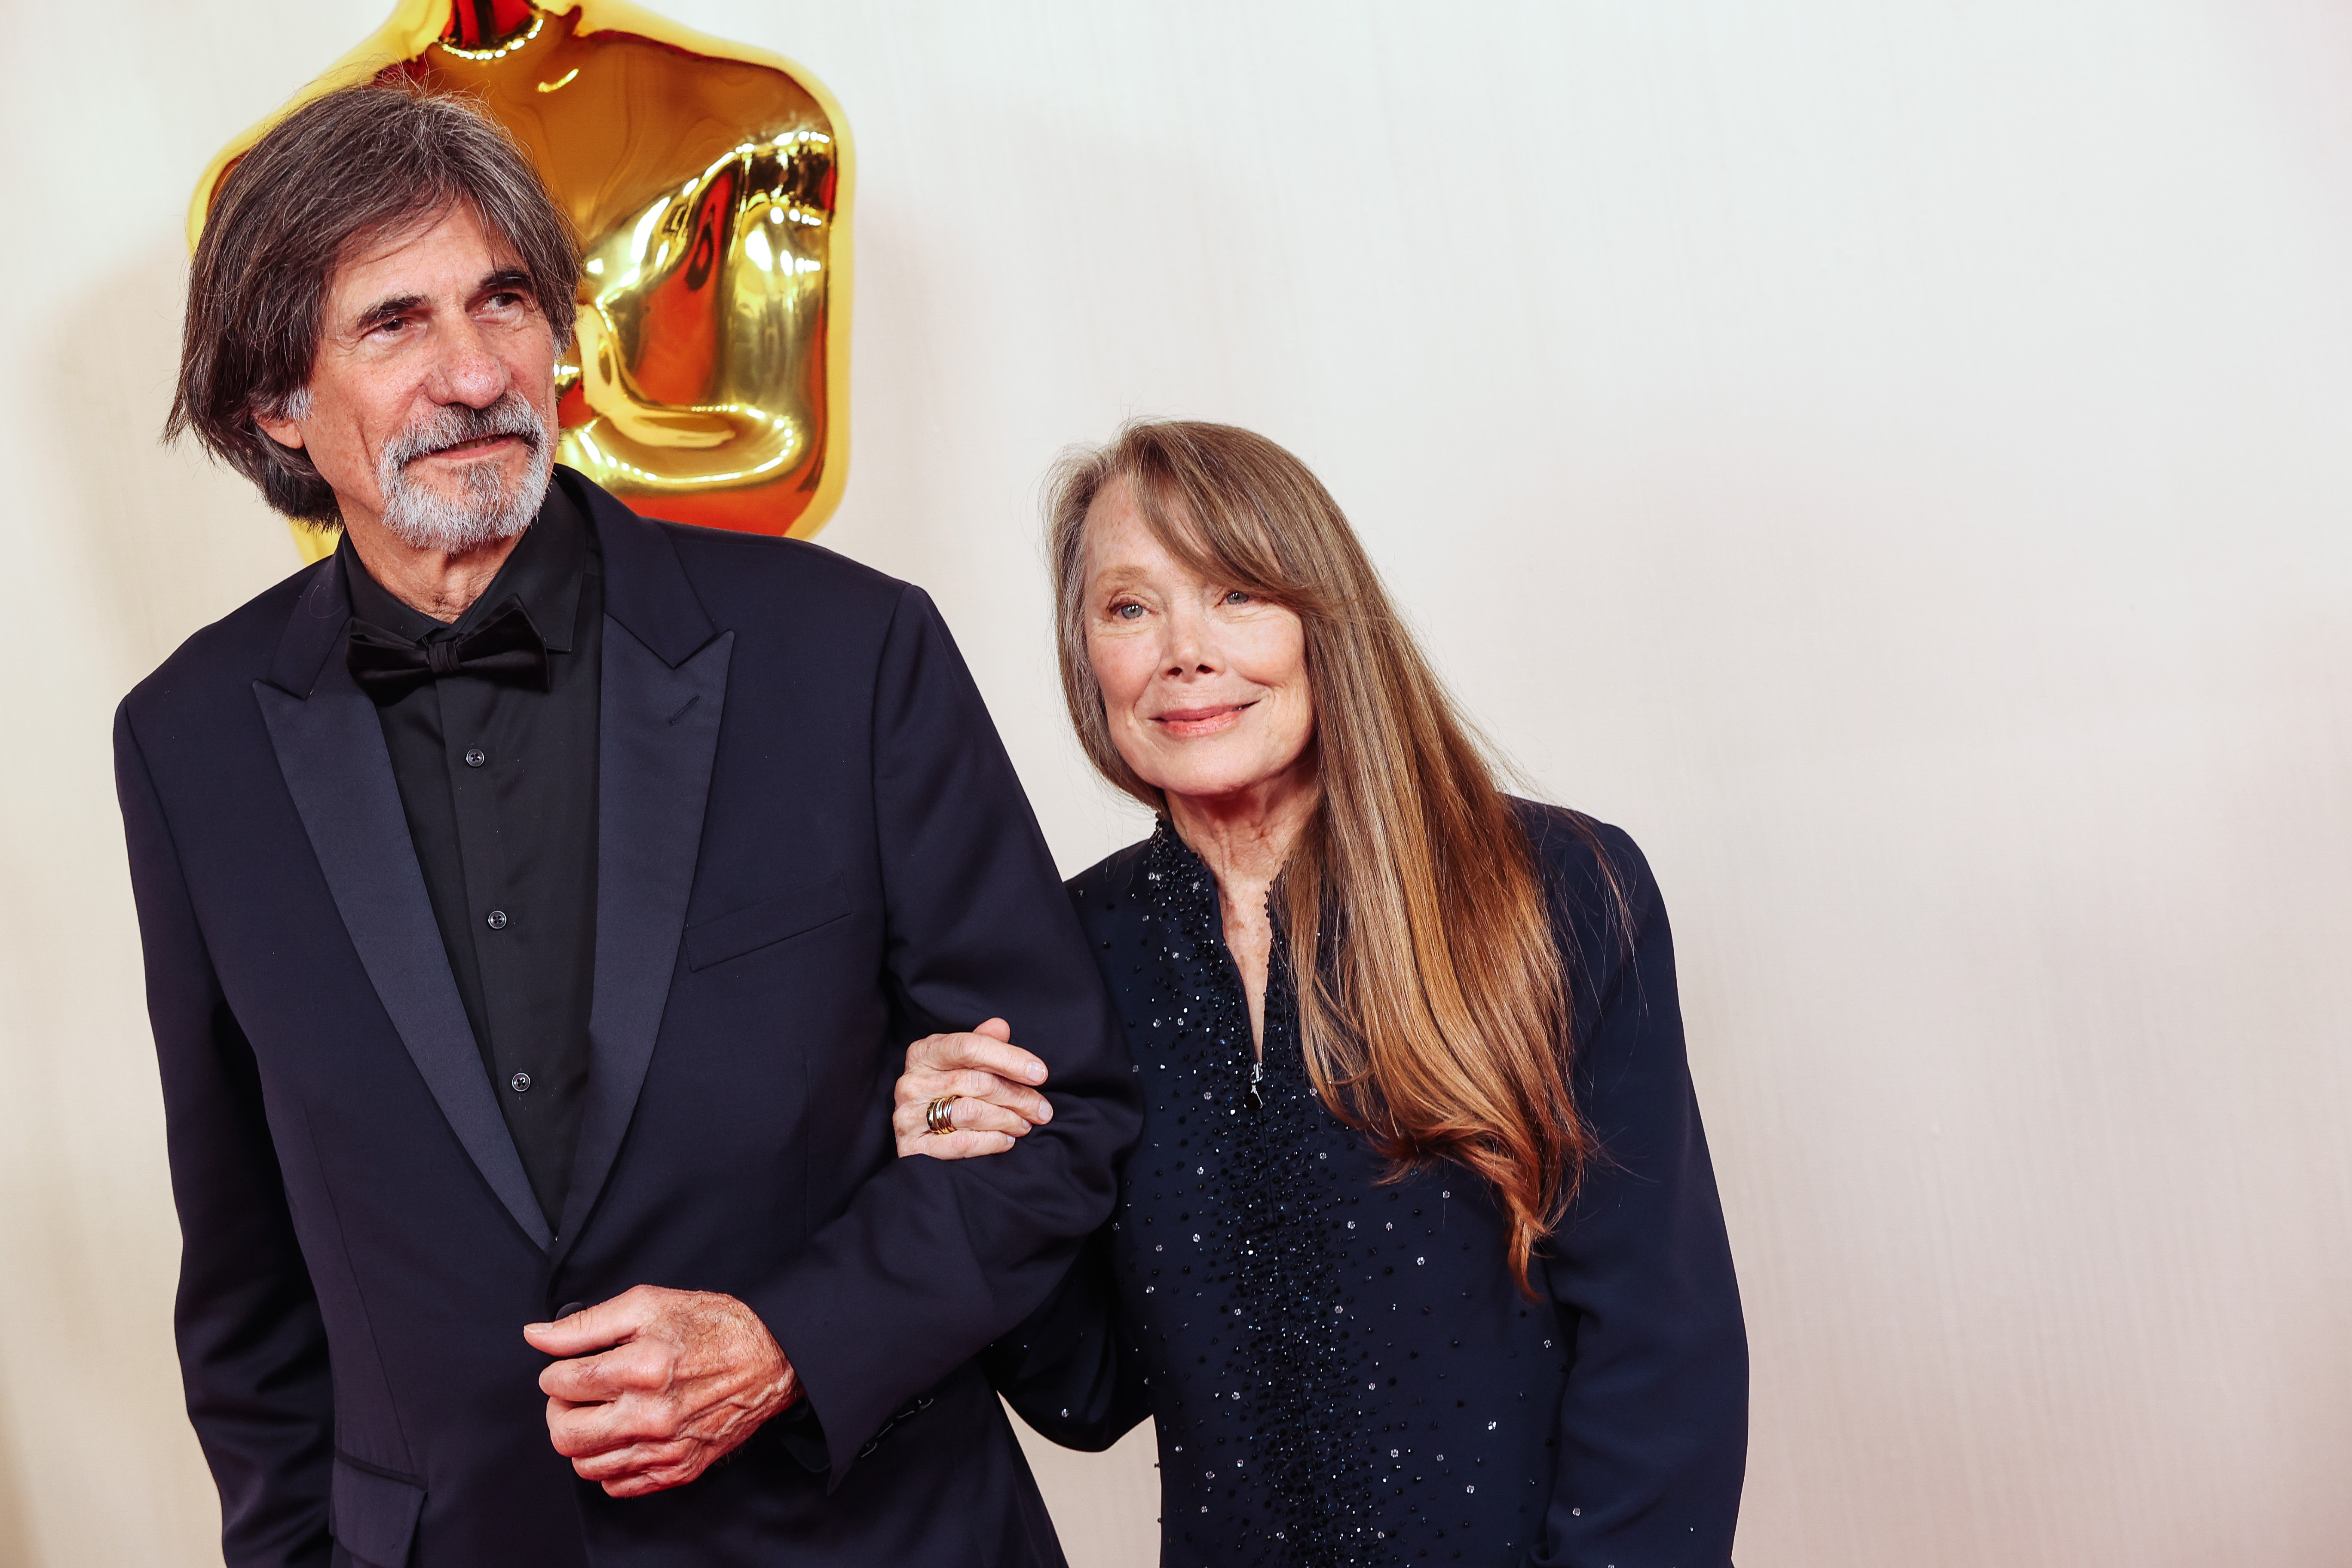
[{"x": 1292, "y": 1353}]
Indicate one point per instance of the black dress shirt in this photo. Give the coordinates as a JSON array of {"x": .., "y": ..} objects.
[{"x": 498, "y": 783}]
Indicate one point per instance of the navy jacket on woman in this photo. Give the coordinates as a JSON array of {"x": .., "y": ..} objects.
[
  {"x": 1344, "y": 1371},
  {"x": 811, "y": 848}
]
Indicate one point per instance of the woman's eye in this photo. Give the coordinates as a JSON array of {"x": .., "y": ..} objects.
[
  {"x": 1237, "y": 597},
  {"x": 1127, "y": 612}
]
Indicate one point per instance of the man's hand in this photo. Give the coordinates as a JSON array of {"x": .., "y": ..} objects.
[
  {"x": 993, "y": 1082},
  {"x": 684, "y": 1376}
]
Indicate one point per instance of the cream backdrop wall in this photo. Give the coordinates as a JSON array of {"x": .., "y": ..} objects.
[{"x": 1892, "y": 458}]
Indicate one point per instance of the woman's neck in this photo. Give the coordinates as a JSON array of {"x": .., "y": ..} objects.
[{"x": 1244, "y": 837}]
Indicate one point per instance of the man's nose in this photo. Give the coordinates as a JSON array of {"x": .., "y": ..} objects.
[{"x": 466, "y": 371}]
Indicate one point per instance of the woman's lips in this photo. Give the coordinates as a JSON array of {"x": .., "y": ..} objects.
[{"x": 1190, "y": 724}]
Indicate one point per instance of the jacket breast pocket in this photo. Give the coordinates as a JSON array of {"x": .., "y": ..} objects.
[
  {"x": 373, "y": 1513},
  {"x": 789, "y": 914}
]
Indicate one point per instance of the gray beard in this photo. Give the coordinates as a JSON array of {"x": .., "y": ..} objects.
[{"x": 490, "y": 508}]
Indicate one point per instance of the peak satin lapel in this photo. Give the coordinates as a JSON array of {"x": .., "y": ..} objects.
[
  {"x": 331, "y": 748},
  {"x": 657, "y": 734}
]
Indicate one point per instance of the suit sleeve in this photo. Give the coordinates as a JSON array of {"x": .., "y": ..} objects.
[
  {"x": 1653, "y": 1433},
  {"x": 1065, "y": 1369},
  {"x": 252, "y": 1348},
  {"x": 935, "y": 1258}
]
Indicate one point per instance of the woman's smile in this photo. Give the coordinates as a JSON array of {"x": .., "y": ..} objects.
[{"x": 1194, "y": 724}]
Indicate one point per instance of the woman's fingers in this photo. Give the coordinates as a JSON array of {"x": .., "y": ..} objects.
[
  {"x": 1013, "y": 1097},
  {"x": 990, "y": 1082},
  {"x": 965, "y": 1113},
  {"x": 982, "y": 1052},
  {"x": 921, "y": 1089},
  {"x": 957, "y": 1145},
  {"x": 979, "y": 1127},
  {"x": 968, "y": 1114}
]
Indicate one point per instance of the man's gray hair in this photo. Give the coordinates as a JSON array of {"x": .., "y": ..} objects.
[{"x": 357, "y": 165}]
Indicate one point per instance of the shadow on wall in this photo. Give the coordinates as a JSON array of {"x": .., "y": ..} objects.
[
  {"x": 147, "y": 545},
  {"x": 171, "y": 539},
  {"x": 957, "y": 419},
  {"x": 15, "y": 1538}
]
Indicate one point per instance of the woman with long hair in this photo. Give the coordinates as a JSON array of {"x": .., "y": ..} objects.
[{"x": 1420, "y": 1258}]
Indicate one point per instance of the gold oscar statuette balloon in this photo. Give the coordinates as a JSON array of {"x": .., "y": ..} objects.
[{"x": 710, "y": 183}]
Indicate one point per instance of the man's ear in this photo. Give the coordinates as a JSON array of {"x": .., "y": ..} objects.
[{"x": 283, "y": 423}]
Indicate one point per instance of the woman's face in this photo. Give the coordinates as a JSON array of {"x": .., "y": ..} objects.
[{"x": 1205, "y": 684}]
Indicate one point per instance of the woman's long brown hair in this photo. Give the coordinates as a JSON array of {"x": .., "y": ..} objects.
[{"x": 1432, "y": 998}]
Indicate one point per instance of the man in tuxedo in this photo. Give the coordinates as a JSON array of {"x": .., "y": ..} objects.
[{"x": 536, "y": 900}]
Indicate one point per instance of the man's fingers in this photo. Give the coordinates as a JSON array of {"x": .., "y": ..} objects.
[
  {"x": 588, "y": 1380},
  {"x": 652, "y": 1412},
  {"x": 579, "y": 1430},
  {"x": 578, "y": 1381},
  {"x": 592, "y": 1329},
  {"x": 636, "y": 1458},
  {"x": 660, "y": 1477}
]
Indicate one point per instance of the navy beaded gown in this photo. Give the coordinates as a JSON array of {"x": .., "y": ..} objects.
[{"x": 1343, "y": 1371}]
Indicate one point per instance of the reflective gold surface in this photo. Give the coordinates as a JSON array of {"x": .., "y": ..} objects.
[{"x": 710, "y": 183}]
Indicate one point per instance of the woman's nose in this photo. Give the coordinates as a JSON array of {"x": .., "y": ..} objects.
[{"x": 1190, "y": 650}]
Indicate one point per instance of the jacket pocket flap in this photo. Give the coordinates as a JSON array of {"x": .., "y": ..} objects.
[
  {"x": 770, "y": 920},
  {"x": 373, "y": 1513}
]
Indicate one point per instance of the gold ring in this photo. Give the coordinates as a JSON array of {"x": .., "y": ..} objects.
[{"x": 940, "y": 1116}]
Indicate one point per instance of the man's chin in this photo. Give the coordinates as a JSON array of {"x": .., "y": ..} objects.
[
  {"x": 463, "y": 505},
  {"x": 457, "y": 476}
]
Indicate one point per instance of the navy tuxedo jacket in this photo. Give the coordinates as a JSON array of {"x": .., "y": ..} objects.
[{"x": 812, "y": 850}]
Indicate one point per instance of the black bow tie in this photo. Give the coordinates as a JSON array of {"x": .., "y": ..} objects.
[{"x": 506, "y": 648}]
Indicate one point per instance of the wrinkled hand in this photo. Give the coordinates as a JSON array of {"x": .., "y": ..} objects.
[
  {"x": 996, "y": 1079},
  {"x": 659, "y": 1385}
]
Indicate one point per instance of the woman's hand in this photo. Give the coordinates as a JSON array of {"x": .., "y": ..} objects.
[{"x": 992, "y": 1081}]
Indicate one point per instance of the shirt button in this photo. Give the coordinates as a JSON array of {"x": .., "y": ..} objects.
[
  {"x": 476, "y": 757},
  {"x": 520, "y": 1083},
  {"x": 498, "y": 920}
]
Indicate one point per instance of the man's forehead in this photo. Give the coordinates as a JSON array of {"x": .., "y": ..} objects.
[{"x": 446, "y": 251}]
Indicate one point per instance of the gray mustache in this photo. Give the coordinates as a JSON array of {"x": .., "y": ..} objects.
[{"x": 452, "y": 423}]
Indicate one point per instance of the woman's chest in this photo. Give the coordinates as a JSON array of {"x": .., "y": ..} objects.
[{"x": 1247, "y": 1200}]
